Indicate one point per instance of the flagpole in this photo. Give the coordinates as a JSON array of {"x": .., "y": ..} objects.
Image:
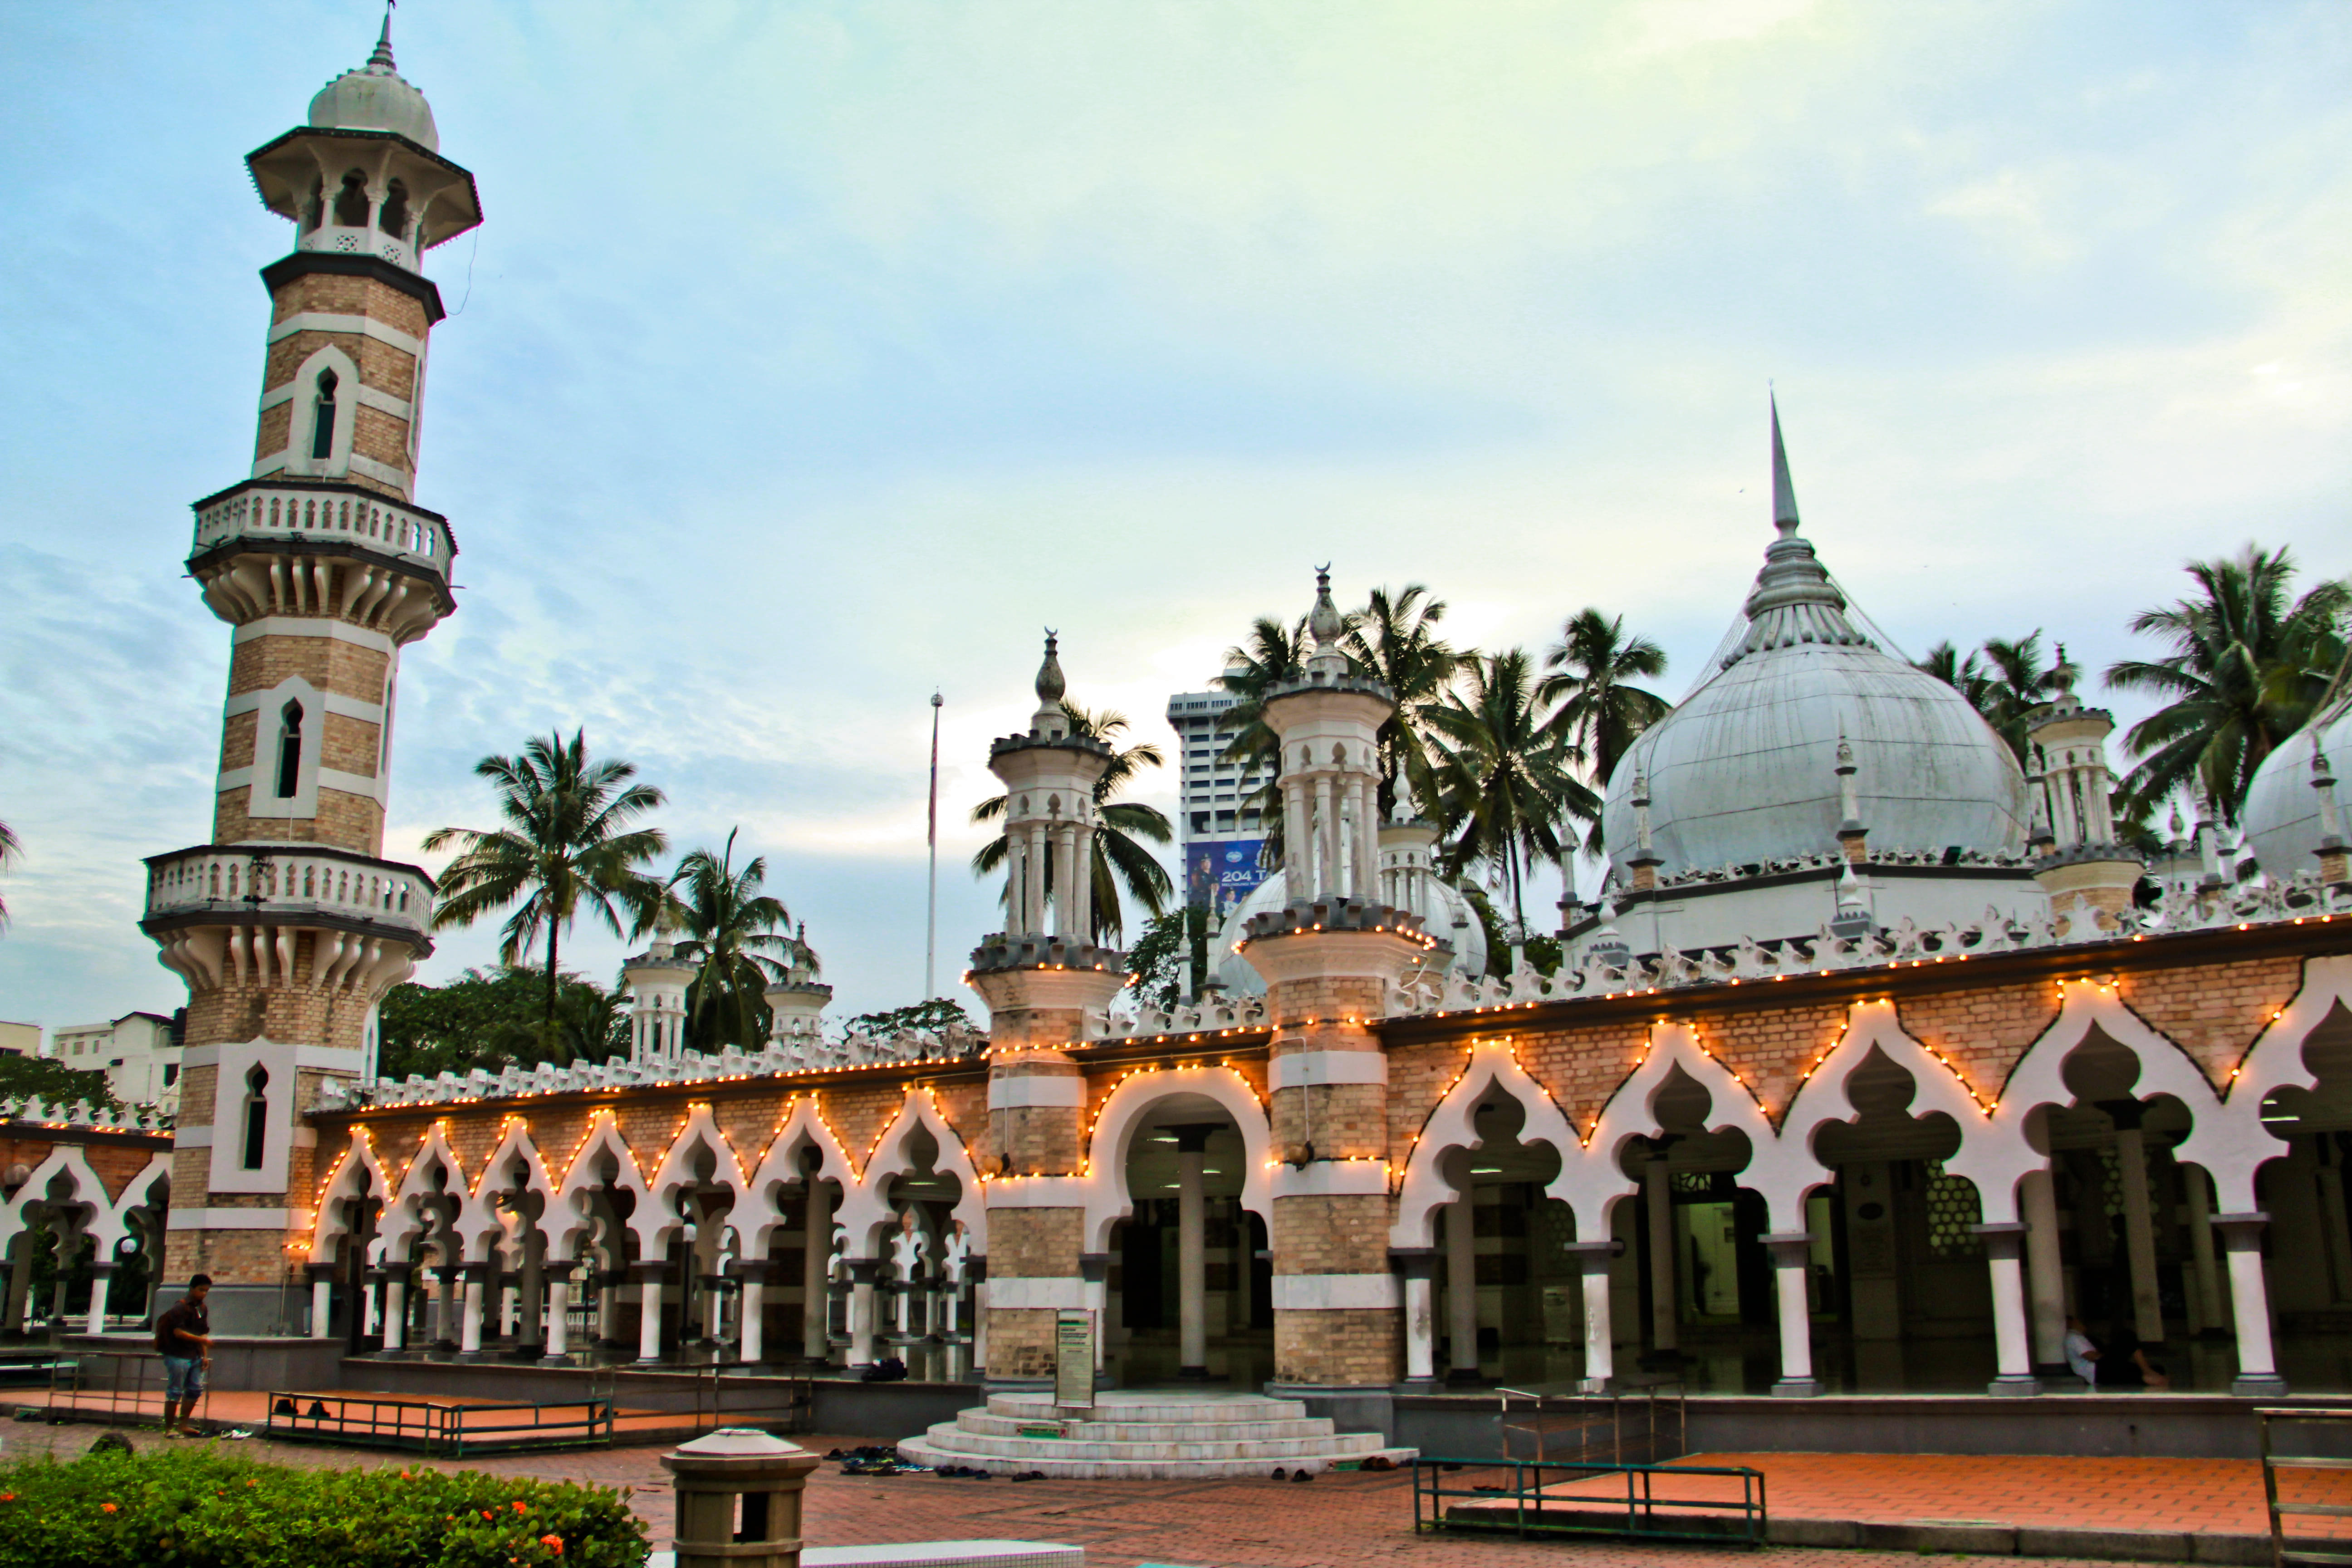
[{"x": 931, "y": 919}]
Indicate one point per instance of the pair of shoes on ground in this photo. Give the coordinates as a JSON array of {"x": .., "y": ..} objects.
[
  {"x": 1300, "y": 1476},
  {"x": 963, "y": 1472}
]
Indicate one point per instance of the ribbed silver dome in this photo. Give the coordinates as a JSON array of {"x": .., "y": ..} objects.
[
  {"x": 375, "y": 98},
  {"x": 2281, "y": 811},
  {"x": 1745, "y": 770}
]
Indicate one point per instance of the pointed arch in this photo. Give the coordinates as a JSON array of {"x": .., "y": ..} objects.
[
  {"x": 672, "y": 1173},
  {"x": 1592, "y": 1185},
  {"x": 1123, "y": 1114},
  {"x": 403, "y": 1215},
  {"x": 112, "y": 1224},
  {"x": 865, "y": 1208},
  {"x": 1822, "y": 1099},
  {"x": 803, "y": 1128},
  {"x": 2039, "y": 1079},
  {"x": 1493, "y": 1064},
  {"x": 359, "y": 1173},
  {"x": 478, "y": 1217},
  {"x": 565, "y": 1221},
  {"x": 84, "y": 1191}
]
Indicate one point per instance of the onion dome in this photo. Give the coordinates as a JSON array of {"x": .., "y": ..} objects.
[
  {"x": 376, "y": 98},
  {"x": 2281, "y": 813},
  {"x": 1747, "y": 769}
]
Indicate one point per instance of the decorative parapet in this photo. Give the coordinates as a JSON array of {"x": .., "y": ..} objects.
[
  {"x": 289, "y": 885},
  {"x": 2177, "y": 912},
  {"x": 1239, "y": 1012},
  {"x": 273, "y": 511},
  {"x": 779, "y": 1059},
  {"x": 999, "y": 950},
  {"x": 81, "y": 1114},
  {"x": 1302, "y": 916},
  {"x": 1837, "y": 859}
]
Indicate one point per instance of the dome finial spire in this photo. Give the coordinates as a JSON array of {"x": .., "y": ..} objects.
[
  {"x": 1784, "y": 491},
  {"x": 1051, "y": 718},
  {"x": 382, "y": 55},
  {"x": 1326, "y": 627}
]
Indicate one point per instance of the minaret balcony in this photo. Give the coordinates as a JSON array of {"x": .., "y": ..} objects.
[
  {"x": 323, "y": 547},
  {"x": 288, "y": 885}
]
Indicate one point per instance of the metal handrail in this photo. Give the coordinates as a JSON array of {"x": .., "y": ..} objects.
[
  {"x": 1743, "y": 1521},
  {"x": 2273, "y": 1461},
  {"x": 436, "y": 1426}
]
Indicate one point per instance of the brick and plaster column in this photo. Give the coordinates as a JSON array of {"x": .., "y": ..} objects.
[
  {"x": 1658, "y": 1202},
  {"x": 1417, "y": 1266},
  {"x": 1037, "y": 1118},
  {"x": 100, "y": 1272},
  {"x": 1192, "y": 1254},
  {"x": 2004, "y": 1246},
  {"x": 2206, "y": 1270},
  {"x": 1592, "y": 1259},
  {"x": 816, "y": 1270},
  {"x": 650, "y": 1278},
  {"x": 395, "y": 1306},
  {"x": 2241, "y": 1238},
  {"x": 862, "y": 1273},
  {"x": 1462, "y": 1288},
  {"x": 2139, "y": 1228},
  {"x": 471, "y": 1306},
  {"x": 322, "y": 1296},
  {"x": 751, "y": 1309}
]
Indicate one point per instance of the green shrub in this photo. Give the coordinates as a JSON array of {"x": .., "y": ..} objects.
[{"x": 197, "y": 1507}]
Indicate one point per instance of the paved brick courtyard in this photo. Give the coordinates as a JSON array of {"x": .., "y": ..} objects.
[{"x": 1348, "y": 1518}]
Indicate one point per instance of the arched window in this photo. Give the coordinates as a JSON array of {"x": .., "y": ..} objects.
[
  {"x": 289, "y": 749},
  {"x": 351, "y": 201},
  {"x": 256, "y": 1118},
  {"x": 322, "y": 416},
  {"x": 393, "y": 217}
]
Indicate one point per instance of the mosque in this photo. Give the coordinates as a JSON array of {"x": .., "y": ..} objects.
[{"x": 1876, "y": 1059}]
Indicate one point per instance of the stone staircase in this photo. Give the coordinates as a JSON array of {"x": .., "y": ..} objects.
[{"x": 1146, "y": 1435}]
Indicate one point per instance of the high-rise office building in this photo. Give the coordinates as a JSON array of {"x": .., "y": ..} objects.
[{"x": 1217, "y": 823}]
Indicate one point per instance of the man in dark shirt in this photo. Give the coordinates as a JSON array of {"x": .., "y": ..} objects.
[{"x": 183, "y": 1337}]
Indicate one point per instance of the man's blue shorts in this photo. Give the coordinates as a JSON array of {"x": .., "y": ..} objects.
[{"x": 183, "y": 1377}]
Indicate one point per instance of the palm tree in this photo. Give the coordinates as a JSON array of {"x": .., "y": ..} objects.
[
  {"x": 732, "y": 938},
  {"x": 2007, "y": 681},
  {"x": 1119, "y": 857},
  {"x": 1601, "y": 713},
  {"x": 2246, "y": 669},
  {"x": 567, "y": 845},
  {"x": 10, "y": 849},
  {"x": 1504, "y": 782},
  {"x": 1394, "y": 639}
]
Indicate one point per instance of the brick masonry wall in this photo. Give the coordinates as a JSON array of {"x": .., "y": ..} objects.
[
  {"x": 1034, "y": 1244},
  {"x": 1345, "y": 1349},
  {"x": 328, "y": 664},
  {"x": 383, "y": 367},
  {"x": 1020, "y": 1341},
  {"x": 344, "y": 820},
  {"x": 1341, "y": 1235}
]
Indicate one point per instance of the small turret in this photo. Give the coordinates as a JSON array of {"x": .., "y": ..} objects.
[{"x": 2083, "y": 867}]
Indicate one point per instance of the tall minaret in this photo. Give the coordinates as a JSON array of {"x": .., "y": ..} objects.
[{"x": 289, "y": 926}]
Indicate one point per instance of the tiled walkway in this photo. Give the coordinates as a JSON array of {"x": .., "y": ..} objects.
[{"x": 1342, "y": 1519}]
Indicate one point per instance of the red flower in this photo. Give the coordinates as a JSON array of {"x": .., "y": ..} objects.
[
  {"x": 107, "y": 1507},
  {"x": 553, "y": 1543},
  {"x": 7, "y": 1497},
  {"x": 489, "y": 1515},
  {"x": 519, "y": 1507}
]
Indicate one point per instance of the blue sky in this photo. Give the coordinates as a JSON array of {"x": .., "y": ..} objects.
[{"x": 815, "y": 355}]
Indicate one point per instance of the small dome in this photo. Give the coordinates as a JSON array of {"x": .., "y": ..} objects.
[
  {"x": 376, "y": 98},
  {"x": 1745, "y": 770},
  {"x": 2281, "y": 811}
]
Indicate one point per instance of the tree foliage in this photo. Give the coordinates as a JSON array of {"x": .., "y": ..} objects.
[
  {"x": 933, "y": 1015},
  {"x": 734, "y": 935},
  {"x": 55, "y": 1083},
  {"x": 2006, "y": 681},
  {"x": 493, "y": 1019},
  {"x": 1171, "y": 962},
  {"x": 1600, "y": 711},
  {"x": 567, "y": 845}
]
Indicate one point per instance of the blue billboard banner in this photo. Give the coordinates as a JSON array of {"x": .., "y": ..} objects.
[{"x": 1222, "y": 871}]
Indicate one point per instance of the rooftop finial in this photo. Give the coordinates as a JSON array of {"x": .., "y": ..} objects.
[
  {"x": 1050, "y": 684},
  {"x": 382, "y": 55},
  {"x": 1784, "y": 491},
  {"x": 1326, "y": 627},
  {"x": 2063, "y": 675}
]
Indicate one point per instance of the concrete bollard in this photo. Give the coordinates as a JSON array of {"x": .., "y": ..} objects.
[{"x": 711, "y": 1473}]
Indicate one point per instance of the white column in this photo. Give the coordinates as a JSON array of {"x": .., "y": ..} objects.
[
  {"x": 2241, "y": 1238},
  {"x": 1327, "y": 839},
  {"x": 1035, "y": 911},
  {"x": 1082, "y": 902},
  {"x": 395, "y": 1309},
  {"x": 649, "y": 1296},
  {"x": 1792, "y": 1254},
  {"x": 1192, "y": 1262},
  {"x": 2139, "y": 1231},
  {"x": 1368, "y": 839},
  {"x": 1420, "y": 1319},
  {"x": 99, "y": 1273},
  {"x": 861, "y": 1309},
  {"x": 752, "y": 1342},
  {"x": 2045, "y": 1266},
  {"x": 2200, "y": 1245},
  {"x": 1299, "y": 848},
  {"x": 2004, "y": 1246},
  {"x": 1462, "y": 1285},
  {"x": 469, "y": 1325},
  {"x": 980, "y": 1322},
  {"x": 371, "y": 1313},
  {"x": 815, "y": 1253},
  {"x": 1600, "y": 1349},
  {"x": 1657, "y": 1191},
  {"x": 322, "y": 1305},
  {"x": 558, "y": 1308}
]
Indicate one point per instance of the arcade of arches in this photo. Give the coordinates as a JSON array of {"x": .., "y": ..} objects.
[{"x": 1905, "y": 1181}]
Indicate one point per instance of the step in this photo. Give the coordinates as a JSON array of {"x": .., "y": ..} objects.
[
  {"x": 947, "y": 1437},
  {"x": 923, "y": 1452},
  {"x": 1122, "y": 1431},
  {"x": 1154, "y": 1408}
]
